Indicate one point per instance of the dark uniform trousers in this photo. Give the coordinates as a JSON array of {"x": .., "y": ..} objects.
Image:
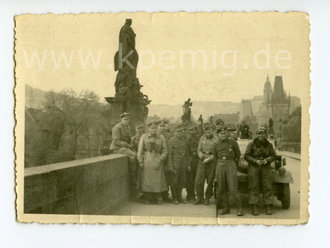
[
  {"x": 264, "y": 174},
  {"x": 226, "y": 153},
  {"x": 227, "y": 185},
  {"x": 205, "y": 171},
  {"x": 168, "y": 182},
  {"x": 260, "y": 174},
  {"x": 178, "y": 161},
  {"x": 191, "y": 176},
  {"x": 165, "y": 194},
  {"x": 178, "y": 179}
]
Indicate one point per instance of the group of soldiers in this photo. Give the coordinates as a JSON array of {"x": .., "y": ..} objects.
[{"x": 163, "y": 163}]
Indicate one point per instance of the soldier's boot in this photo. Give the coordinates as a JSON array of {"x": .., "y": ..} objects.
[
  {"x": 198, "y": 201},
  {"x": 217, "y": 206},
  {"x": 158, "y": 200},
  {"x": 225, "y": 211},
  {"x": 240, "y": 211},
  {"x": 191, "y": 199},
  {"x": 255, "y": 210},
  {"x": 207, "y": 201},
  {"x": 190, "y": 196},
  {"x": 165, "y": 196},
  {"x": 179, "y": 195},
  {"x": 174, "y": 195},
  {"x": 146, "y": 198},
  {"x": 269, "y": 209}
]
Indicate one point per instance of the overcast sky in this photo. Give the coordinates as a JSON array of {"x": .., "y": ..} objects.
[{"x": 208, "y": 57}]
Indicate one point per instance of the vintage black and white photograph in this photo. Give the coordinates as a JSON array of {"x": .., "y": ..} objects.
[{"x": 157, "y": 118}]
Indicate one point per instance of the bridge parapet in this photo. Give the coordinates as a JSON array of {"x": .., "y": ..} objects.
[{"x": 96, "y": 185}]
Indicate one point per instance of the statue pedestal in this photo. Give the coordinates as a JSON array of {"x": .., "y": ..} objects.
[{"x": 136, "y": 107}]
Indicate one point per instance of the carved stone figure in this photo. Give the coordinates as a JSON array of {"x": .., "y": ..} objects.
[
  {"x": 186, "y": 117},
  {"x": 128, "y": 96}
]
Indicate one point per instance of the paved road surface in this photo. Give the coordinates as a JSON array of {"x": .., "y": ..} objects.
[{"x": 190, "y": 210}]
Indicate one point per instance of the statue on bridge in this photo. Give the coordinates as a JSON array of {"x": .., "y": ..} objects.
[
  {"x": 186, "y": 107},
  {"x": 126, "y": 60},
  {"x": 128, "y": 96}
]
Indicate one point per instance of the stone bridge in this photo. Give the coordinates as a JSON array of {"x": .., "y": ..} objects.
[
  {"x": 100, "y": 185},
  {"x": 96, "y": 185}
]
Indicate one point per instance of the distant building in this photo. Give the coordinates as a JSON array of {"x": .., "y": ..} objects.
[
  {"x": 267, "y": 91},
  {"x": 246, "y": 114},
  {"x": 276, "y": 104},
  {"x": 228, "y": 118},
  {"x": 245, "y": 110},
  {"x": 264, "y": 112},
  {"x": 280, "y": 103}
]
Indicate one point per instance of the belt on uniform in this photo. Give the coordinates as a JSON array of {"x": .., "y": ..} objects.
[
  {"x": 208, "y": 153},
  {"x": 225, "y": 158},
  {"x": 260, "y": 158}
]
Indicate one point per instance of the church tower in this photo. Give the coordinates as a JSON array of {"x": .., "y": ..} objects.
[
  {"x": 279, "y": 95},
  {"x": 267, "y": 91},
  {"x": 264, "y": 112},
  {"x": 280, "y": 103}
]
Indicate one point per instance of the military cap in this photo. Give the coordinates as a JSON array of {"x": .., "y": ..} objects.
[
  {"x": 153, "y": 123},
  {"x": 193, "y": 128},
  {"x": 163, "y": 122},
  {"x": 208, "y": 125},
  {"x": 231, "y": 128},
  {"x": 219, "y": 121},
  {"x": 261, "y": 129},
  {"x": 139, "y": 124},
  {"x": 219, "y": 130},
  {"x": 125, "y": 114}
]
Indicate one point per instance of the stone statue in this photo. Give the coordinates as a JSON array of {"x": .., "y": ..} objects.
[
  {"x": 128, "y": 96},
  {"x": 126, "y": 56},
  {"x": 186, "y": 117},
  {"x": 126, "y": 59}
]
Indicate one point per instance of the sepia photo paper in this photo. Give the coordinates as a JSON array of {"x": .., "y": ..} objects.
[{"x": 181, "y": 118}]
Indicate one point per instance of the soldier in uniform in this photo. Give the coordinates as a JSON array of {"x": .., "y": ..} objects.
[
  {"x": 140, "y": 129},
  {"x": 227, "y": 154},
  {"x": 193, "y": 140},
  {"x": 121, "y": 144},
  {"x": 206, "y": 165},
  {"x": 259, "y": 154},
  {"x": 244, "y": 130},
  {"x": 152, "y": 153},
  {"x": 232, "y": 131},
  {"x": 165, "y": 131},
  {"x": 219, "y": 124},
  {"x": 178, "y": 162}
]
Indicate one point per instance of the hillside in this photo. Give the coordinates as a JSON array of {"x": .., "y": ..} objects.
[{"x": 34, "y": 98}]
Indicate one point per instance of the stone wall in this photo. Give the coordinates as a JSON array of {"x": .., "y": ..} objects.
[{"x": 96, "y": 185}]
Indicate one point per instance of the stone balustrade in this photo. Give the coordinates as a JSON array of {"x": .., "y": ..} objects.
[{"x": 96, "y": 185}]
